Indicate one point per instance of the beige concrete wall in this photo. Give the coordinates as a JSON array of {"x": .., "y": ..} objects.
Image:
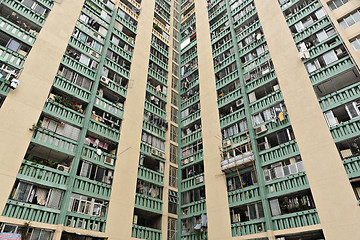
[
  {"x": 121, "y": 207},
  {"x": 217, "y": 207},
  {"x": 23, "y": 106},
  {"x": 334, "y": 198}
]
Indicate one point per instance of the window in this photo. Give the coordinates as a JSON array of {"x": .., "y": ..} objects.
[
  {"x": 173, "y": 153},
  {"x": 13, "y": 45},
  {"x": 171, "y": 229},
  {"x": 173, "y": 133},
  {"x": 350, "y": 20},
  {"x": 174, "y": 84},
  {"x": 94, "y": 172},
  {"x": 174, "y": 98},
  {"x": 26, "y": 192},
  {"x": 336, "y": 4},
  {"x": 356, "y": 43},
  {"x": 87, "y": 205},
  {"x": 173, "y": 176},
  {"x": 173, "y": 202},
  {"x": 174, "y": 114}
]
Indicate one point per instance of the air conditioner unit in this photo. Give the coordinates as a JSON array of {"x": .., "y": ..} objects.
[
  {"x": 279, "y": 164},
  {"x": 227, "y": 143},
  {"x": 261, "y": 129},
  {"x": 104, "y": 80},
  {"x": 93, "y": 53},
  {"x": 191, "y": 159},
  {"x": 109, "y": 161},
  {"x": 154, "y": 152},
  {"x": 63, "y": 168},
  {"x": 199, "y": 179},
  {"x": 239, "y": 102}
]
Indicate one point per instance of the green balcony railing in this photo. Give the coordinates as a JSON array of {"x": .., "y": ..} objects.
[
  {"x": 86, "y": 222},
  {"x": 295, "y": 220},
  {"x": 141, "y": 232},
  {"x": 12, "y": 58},
  {"x": 24, "y": 11},
  {"x": 240, "y": 196},
  {"x": 247, "y": 228},
  {"x": 104, "y": 130},
  {"x": 17, "y": 32},
  {"x": 193, "y": 209},
  {"x": 286, "y": 185},
  {"x": 151, "y": 176},
  {"x": 64, "y": 113},
  {"x": 278, "y": 153},
  {"x": 92, "y": 188},
  {"x": 54, "y": 141},
  {"x": 71, "y": 88},
  {"x": 192, "y": 182},
  {"x": 148, "y": 203},
  {"x": 109, "y": 107},
  {"x": 40, "y": 174},
  {"x": 31, "y": 212},
  {"x": 346, "y": 130},
  {"x": 352, "y": 166}
]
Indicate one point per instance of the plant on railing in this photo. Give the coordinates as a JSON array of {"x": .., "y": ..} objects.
[
  {"x": 24, "y": 231},
  {"x": 67, "y": 102},
  {"x": 36, "y": 126},
  {"x": 45, "y": 162},
  {"x": 157, "y": 28}
]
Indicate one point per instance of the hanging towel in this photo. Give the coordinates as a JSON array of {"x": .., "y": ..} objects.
[{"x": 281, "y": 116}]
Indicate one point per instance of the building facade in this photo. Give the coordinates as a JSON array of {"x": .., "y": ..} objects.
[{"x": 180, "y": 119}]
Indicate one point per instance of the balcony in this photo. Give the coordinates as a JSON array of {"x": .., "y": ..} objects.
[
  {"x": 17, "y": 32},
  {"x": 190, "y": 101},
  {"x": 346, "y": 130},
  {"x": 148, "y": 203},
  {"x": 340, "y": 97},
  {"x": 240, "y": 196},
  {"x": 217, "y": 37},
  {"x": 154, "y": 130},
  {"x": 158, "y": 62},
  {"x": 190, "y": 118},
  {"x": 193, "y": 209},
  {"x": 232, "y": 118},
  {"x": 247, "y": 67},
  {"x": 31, "y": 212},
  {"x": 109, "y": 107},
  {"x": 247, "y": 228},
  {"x": 267, "y": 101},
  {"x": 154, "y": 109},
  {"x": 310, "y": 30},
  {"x": 197, "y": 157},
  {"x": 71, "y": 88},
  {"x": 151, "y": 176},
  {"x": 252, "y": 28},
  {"x": 141, "y": 232},
  {"x": 228, "y": 98},
  {"x": 4, "y": 87},
  {"x": 12, "y": 58},
  {"x": 294, "y": 220},
  {"x": 54, "y": 141},
  {"x": 146, "y": 149},
  {"x": 331, "y": 70},
  {"x": 260, "y": 81},
  {"x": 159, "y": 49},
  {"x": 194, "y": 136},
  {"x": 160, "y": 78},
  {"x": 43, "y": 175},
  {"x": 192, "y": 182},
  {"x": 150, "y": 88},
  {"x": 77, "y": 66},
  {"x": 24, "y": 11},
  {"x": 104, "y": 130},
  {"x": 225, "y": 63},
  {"x": 307, "y": 10},
  {"x": 92, "y": 188},
  {"x": 89, "y": 154},
  {"x": 352, "y": 167},
  {"x": 117, "y": 68},
  {"x": 278, "y": 153},
  {"x": 286, "y": 185},
  {"x": 86, "y": 222},
  {"x": 60, "y": 111}
]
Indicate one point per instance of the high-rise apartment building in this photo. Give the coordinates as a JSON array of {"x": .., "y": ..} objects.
[{"x": 180, "y": 119}]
